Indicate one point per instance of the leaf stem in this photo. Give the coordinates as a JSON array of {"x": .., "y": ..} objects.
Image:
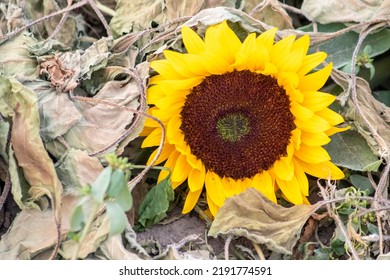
[{"x": 94, "y": 210}]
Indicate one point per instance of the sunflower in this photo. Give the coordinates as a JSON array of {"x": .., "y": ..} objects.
[{"x": 242, "y": 114}]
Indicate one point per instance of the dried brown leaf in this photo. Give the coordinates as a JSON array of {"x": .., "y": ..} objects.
[
  {"x": 113, "y": 249},
  {"x": 34, "y": 232},
  {"x": 347, "y": 10},
  {"x": 269, "y": 12},
  {"x": 93, "y": 240},
  {"x": 77, "y": 169},
  {"x": 376, "y": 113},
  {"x": 66, "y": 34},
  {"x": 20, "y": 104},
  {"x": 56, "y": 111},
  {"x": 15, "y": 60},
  {"x": 251, "y": 215}
]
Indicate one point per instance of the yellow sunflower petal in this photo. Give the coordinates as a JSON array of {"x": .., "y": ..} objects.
[
  {"x": 315, "y": 139},
  {"x": 330, "y": 116},
  {"x": 165, "y": 69},
  {"x": 267, "y": 38},
  {"x": 170, "y": 163},
  {"x": 323, "y": 170},
  {"x": 154, "y": 94},
  {"x": 212, "y": 206},
  {"x": 296, "y": 138},
  {"x": 173, "y": 129},
  {"x": 200, "y": 67},
  {"x": 179, "y": 62},
  {"x": 334, "y": 130},
  {"x": 316, "y": 80},
  {"x": 215, "y": 188},
  {"x": 183, "y": 84},
  {"x": 284, "y": 169},
  {"x": 316, "y": 100},
  {"x": 191, "y": 199},
  {"x": 196, "y": 179},
  {"x": 232, "y": 187},
  {"x": 264, "y": 183},
  {"x": 301, "y": 178},
  {"x": 301, "y": 112},
  {"x": 291, "y": 190},
  {"x": 309, "y": 62},
  {"x": 280, "y": 52},
  {"x": 314, "y": 125},
  {"x": 171, "y": 102},
  {"x": 153, "y": 139},
  {"x": 292, "y": 61},
  {"x": 251, "y": 55},
  {"x": 228, "y": 42},
  {"x": 181, "y": 170},
  {"x": 302, "y": 44},
  {"x": 314, "y": 154},
  {"x": 166, "y": 151},
  {"x": 192, "y": 41},
  {"x": 214, "y": 63}
]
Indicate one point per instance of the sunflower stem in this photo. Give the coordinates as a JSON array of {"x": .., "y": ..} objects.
[{"x": 137, "y": 166}]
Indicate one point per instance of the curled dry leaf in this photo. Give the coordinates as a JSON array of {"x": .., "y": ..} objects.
[
  {"x": 113, "y": 249},
  {"x": 269, "y": 12},
  {"x": 20, "y": 104},
  {"x": 347, "y": 10},
  {"x": 251, "y": 215},
  {"x": 368, "y": 112},
  {"x": 64, "y": 70},
  {"x": 77, "y": 169},
  {"x": 15, "y": 60},
  {"x": 67, "y": 34},
  {"x": 147, "y": 14},
  {"x": 34, "y": 232}
]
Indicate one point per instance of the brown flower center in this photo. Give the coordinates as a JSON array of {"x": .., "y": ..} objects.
[{"x": 238, "y": 123}]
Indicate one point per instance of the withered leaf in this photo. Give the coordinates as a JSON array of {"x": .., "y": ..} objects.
[
  {"x": 251, "y": 215},
  {"x": 34, "y": 231},
  {"x": 20, "y": 104},
  {"x": 375, "y": 113},
  {"x": 347, "y": 10},
  {"x": 269, "y": 12}
]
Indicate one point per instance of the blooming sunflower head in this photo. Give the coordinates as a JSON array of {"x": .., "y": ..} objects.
[{"x": 242, "y": 114}]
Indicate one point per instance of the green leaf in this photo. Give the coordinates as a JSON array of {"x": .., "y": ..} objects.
[
  {"x": 124, "y": 198},
  {"x": 100, "y": 186},
  {"x": 362, "y": 183},
  {"x": 382, "y": 96},
  {"x": 340, "y": 49},
  {"x": 119, "y": 191},
  {"x": 372, "y": 228},
  {"x": 117, "y": 218},
  {"x": 77, "y": 220},
  {"x": 321, "y": 254},
  {"x": 349, "y": 149},
  {"x": 155, "y": 205},
  {"x": 338, "y": 247},
  {"x": 117, "y": 182}
]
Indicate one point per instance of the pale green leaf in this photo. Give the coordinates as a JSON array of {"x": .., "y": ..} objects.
[
  {"x": 77, "y": 220},
  {"x": 349, "y": 149},
  {"x": 117, "y": 218},
  {"x": 100, "y": 186}
]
